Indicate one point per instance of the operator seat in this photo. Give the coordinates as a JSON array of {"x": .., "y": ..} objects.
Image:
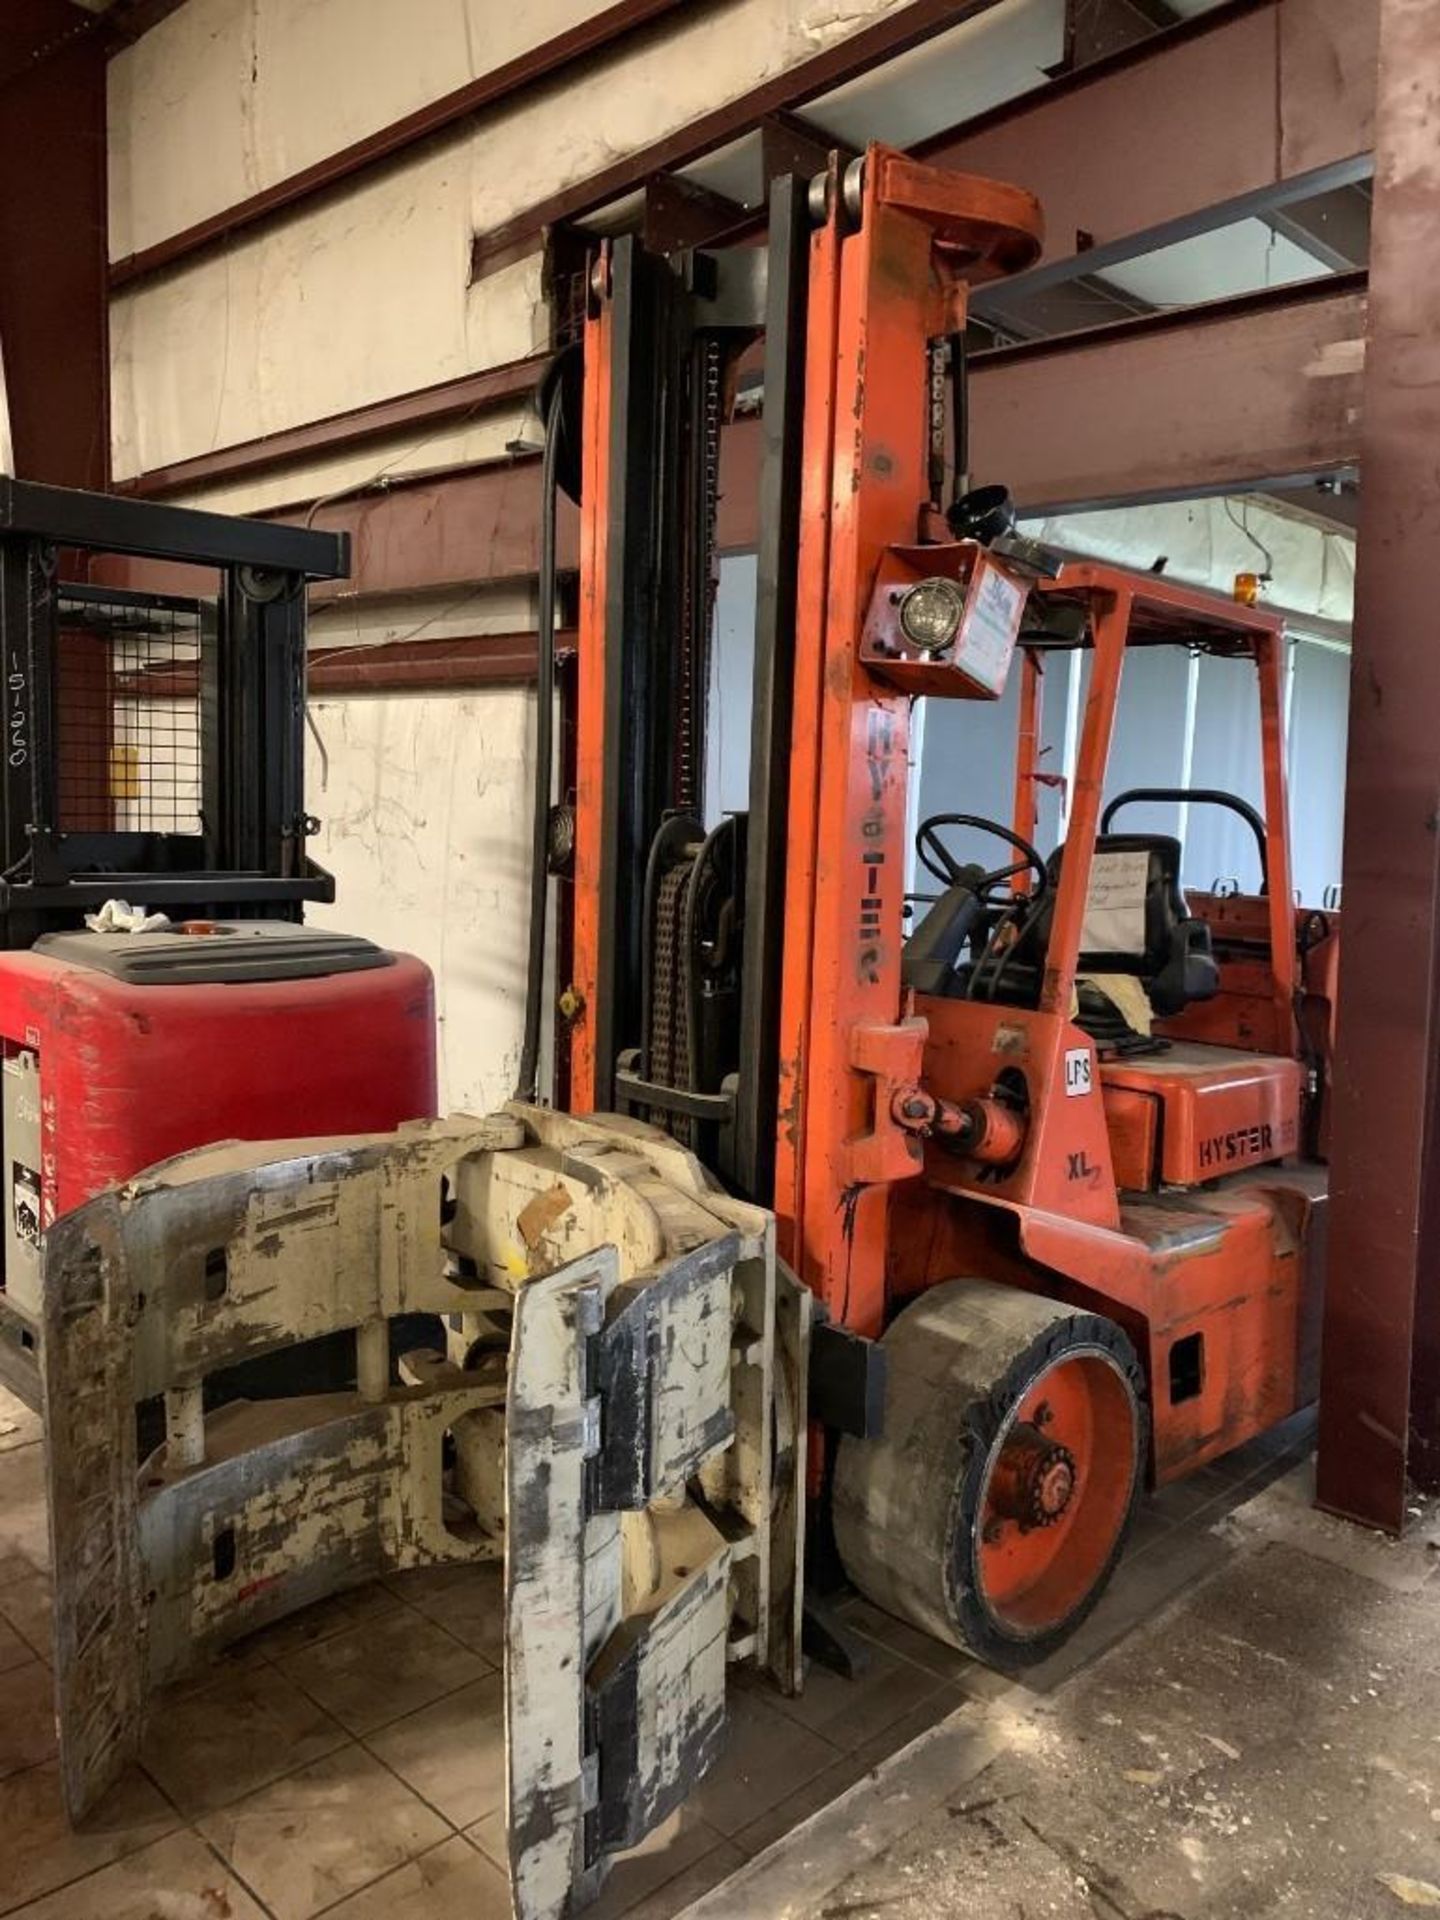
[
  {"x": 1136, "y": 923},
  {"x": 1175, "y": 963}
]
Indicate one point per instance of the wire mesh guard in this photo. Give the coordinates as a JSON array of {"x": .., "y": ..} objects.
[{"x": 127, "y": 715}]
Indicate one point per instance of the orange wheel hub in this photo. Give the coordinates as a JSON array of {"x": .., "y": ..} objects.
[{"x": 1056, "y": 1493}]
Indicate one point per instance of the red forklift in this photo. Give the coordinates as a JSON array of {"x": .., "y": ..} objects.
[
  {"x": 154, "y": 717},
  {"x": 1051, "y": 1160}
]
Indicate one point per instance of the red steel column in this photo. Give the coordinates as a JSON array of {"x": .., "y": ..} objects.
[
  {"x": 53, "y": 302},
  {"x": 1380, "y": 1391}
]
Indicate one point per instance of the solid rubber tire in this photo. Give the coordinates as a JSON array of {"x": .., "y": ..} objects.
[{"x": 961, "y": 1358}]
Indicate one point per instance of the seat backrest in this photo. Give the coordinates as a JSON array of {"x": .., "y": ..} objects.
[
  {"x": 1133, "y": 905},
  {"x": 1136, "y": 922}
]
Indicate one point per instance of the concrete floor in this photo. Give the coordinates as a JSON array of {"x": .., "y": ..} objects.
[
  {"x": 1263, "y": 1745},
  {"x": 1247, "y": 1726}
]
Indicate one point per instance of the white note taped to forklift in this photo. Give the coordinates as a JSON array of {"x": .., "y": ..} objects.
[
  {"x": 1115, "y": 903},
  {"x": 991, "y": 622}
]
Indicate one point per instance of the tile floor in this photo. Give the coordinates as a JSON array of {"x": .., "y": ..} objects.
[{"x": 349, "y": 1761}]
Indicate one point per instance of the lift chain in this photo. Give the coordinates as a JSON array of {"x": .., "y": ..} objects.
[
  {"x": 698, "y": 596},
  {"x": 670, "y": 1062}
]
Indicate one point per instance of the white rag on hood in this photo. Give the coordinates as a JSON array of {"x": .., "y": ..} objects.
[{"x": 118, "y": 916}]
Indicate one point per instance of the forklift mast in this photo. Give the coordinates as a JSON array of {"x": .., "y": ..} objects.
[
  {"x": 661, "y": 345},
  {"x": 874, "y": 262},
  {"x": 890, "y": 271}
]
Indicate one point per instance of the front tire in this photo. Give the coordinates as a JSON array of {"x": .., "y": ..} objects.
[{"x": 993, "y": 1509}]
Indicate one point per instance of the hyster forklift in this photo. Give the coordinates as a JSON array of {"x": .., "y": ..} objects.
[
  {"x": 914, "y": 1246},
  {"x": 1050, "y": 1166}
]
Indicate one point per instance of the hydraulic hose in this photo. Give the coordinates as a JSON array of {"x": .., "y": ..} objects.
[{"x": 528, "y": 1087}]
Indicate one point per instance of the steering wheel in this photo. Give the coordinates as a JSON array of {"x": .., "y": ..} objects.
[{"x": 937, "y": 859}]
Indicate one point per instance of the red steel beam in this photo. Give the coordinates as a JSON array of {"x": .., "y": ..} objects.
[
  {"x": 53, "y": 316},
  {"x": 1230, "y": 395},
  {"x": 1219, "y": 397},
  {"x": 1380, "y": 1386},
  {"x": 1263, "y": 388},
  {"x": 1198, "y": 127},
  {"x": 53, "y": 218},
  {"x": 463, "y": 529},
  {"x": 430, "y": 666},
  {"x": 454, "y": 531},
  {"x": 578, "y": 44},
  {"x": 391, "y": 666},
  {"x": 446, "y": 402}
]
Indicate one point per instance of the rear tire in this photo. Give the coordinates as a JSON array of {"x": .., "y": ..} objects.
[{"x": 994, "y": 1507}]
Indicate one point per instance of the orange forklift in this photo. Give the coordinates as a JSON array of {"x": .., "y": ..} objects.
[{"x": 1049, "y": 1156}]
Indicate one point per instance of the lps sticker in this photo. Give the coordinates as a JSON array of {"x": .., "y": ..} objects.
[{"x": 1077, "y": 1070}]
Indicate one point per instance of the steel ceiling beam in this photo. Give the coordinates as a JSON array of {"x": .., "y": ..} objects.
[
  {"x": 1334, "y": 227},
  {"x": 1259, "y": 105},
  {"x": 449, "y": 401},
  {"x": 1014, "y": 298},
  {"x": 430, "y": 666},
  {"x": 1380, "y": 1389},
  {"x": 1211, "y": 400},
  {"x": 1238, "y": 394},
  {"x": 457, "y": 530}
]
